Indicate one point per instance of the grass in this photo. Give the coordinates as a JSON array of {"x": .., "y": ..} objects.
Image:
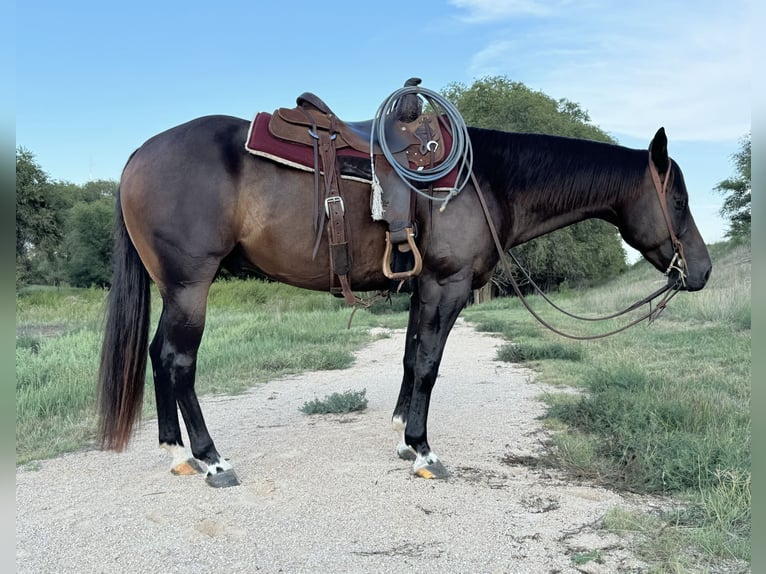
[
  {"x": 337, "y": 403},
  {"x": 663, "y": 409},
  {"x": 254, "y": 332}
]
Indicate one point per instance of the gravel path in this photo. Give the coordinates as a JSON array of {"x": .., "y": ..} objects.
[{"x": 327, "y": 493}]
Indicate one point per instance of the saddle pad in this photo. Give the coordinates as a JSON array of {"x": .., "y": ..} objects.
[{"x": 262, "y": 143}]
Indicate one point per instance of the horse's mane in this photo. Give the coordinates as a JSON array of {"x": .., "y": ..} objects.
[{"x": 562, "y": 172}]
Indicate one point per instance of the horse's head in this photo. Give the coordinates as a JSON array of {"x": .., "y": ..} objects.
[{"x": 660, "y": 225}]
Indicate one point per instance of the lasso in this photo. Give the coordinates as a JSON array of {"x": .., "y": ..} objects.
[{"x": 460, "y": 155}]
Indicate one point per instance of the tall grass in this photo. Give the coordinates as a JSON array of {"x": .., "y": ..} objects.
[
  {"x": 664, "y": 407},
  {"x": 254, "y": 332}
]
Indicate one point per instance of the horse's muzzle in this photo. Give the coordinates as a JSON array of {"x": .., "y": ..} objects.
[{"x": 694, "y": 280}]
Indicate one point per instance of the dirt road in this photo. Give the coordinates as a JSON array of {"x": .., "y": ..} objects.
[{"x": 327, "y": 493}]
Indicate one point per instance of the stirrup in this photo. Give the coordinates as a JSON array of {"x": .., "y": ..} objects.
[{"x": 387, "y": 258}]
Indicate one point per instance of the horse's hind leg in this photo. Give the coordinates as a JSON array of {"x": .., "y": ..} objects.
[{"x": 174, "y": 361}]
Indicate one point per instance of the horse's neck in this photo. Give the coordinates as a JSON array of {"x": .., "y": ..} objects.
[{"x": 544, "y": 207}]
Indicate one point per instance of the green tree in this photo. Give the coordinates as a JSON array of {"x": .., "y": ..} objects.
[
  {"x": 581, "y": 254},
  {"x": 737, "y": 192},
  {"x": 39, "y": 219},
  {"x": 88, "y": 243},
  {"x": 63, "y": 230}
]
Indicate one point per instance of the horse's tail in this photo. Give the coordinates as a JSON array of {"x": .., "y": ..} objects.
[{"x": 123, "y": 353}]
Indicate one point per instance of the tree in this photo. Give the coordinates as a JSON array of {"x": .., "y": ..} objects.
[
  {"x": 39, "y": 218},
  {"x": 89, "y": 243},
  {"x": 581, "y": 254},
  {"x": 737, "y": 192},
  {"x": 63, "y": 230}
]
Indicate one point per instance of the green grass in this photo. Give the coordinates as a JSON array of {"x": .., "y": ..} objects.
[
  {"x": 254, "y": 332},
  {"x": 664, "y": 408},
  {"x": 337, "y": 403}
]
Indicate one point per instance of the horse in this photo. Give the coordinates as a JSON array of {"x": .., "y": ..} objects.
[{"x": 191, "y": 201}]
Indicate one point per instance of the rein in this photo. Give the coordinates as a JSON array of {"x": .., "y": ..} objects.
[{"x": 678, "y": 263}]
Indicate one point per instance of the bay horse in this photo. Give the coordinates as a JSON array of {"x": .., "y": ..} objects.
[{"x": 191, "y": 200}]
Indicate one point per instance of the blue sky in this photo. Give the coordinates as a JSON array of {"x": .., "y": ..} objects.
[{"x": 96, "y": 79}]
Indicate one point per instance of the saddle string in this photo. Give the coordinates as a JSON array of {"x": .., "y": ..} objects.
[{"x": 669, "y": 290}]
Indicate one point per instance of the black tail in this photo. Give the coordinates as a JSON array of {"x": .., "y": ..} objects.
[{"x": 123, "y": 353}]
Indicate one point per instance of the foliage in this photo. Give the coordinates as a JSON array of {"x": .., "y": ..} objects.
[
  {"x": 337, "y": 403},
  {"x": 737, "y": 192},
  {"x": 499, "y": 103},
  {"x": 526, "y": 352},
  {"x": 89, "y": 243},
  {"x": 254, "y": 331},
  {"x": 582, "y": 254},
  {"x": 39, "y": 218},
  {"x": 63, "y": 230},
  {"x": 662, "y": 408}
]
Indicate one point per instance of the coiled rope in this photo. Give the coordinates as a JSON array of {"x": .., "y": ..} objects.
[{"x": 460, "y": 155}]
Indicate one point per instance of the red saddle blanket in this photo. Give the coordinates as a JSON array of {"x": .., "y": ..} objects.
[{"x": 262, "y": 143}]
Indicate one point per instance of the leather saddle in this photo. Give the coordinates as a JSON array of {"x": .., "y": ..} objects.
[
  {"x": 419, "y": 139},
  {"x": 413, "y": 139}
]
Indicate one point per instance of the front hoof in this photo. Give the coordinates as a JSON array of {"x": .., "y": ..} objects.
[
  {"x": 430, "y": 468},
  {"x": 186, "y": 468},
  {"x": 222, "y": 479}
]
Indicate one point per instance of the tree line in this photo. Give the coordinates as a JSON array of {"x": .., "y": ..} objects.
[{"x": 64, "y": 230}]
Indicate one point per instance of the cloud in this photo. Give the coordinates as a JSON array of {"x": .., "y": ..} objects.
[
  {"x": 633, "y": 68},
  {"x": 493, "y": 10}
]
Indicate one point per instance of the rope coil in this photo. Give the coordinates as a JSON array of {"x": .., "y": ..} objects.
[{"x": 460, "y": 155}]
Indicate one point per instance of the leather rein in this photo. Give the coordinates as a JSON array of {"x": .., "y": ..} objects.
[{"x": 677, "y": 263}]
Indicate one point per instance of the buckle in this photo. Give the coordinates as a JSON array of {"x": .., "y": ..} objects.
[{"x": 334, "y": 199}]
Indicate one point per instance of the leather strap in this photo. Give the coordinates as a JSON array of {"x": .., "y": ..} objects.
[
  {"x": 661, "y": 187},
  {"x": 340, "y": 262}
]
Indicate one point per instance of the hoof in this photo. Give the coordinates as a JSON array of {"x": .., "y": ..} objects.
[
  {"x": 187, "y": 468},
  {"x": 434, "y": 470},
  {"x": 222, "y": 479},
  {"x": 405, "y": 453}
]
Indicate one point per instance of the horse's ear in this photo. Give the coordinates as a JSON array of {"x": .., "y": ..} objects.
[{"x": 658, "y": 149}]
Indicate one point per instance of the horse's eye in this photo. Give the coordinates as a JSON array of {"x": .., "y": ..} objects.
[{"x": 679, "y": 203}]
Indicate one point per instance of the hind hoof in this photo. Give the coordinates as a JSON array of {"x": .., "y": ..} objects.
[
  {"x": 222, "y": 479},
  {"x": 187, "y": 468},
  {"x": 405, "y": 453}
]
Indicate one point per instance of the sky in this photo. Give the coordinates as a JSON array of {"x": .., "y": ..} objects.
[{"x": 94, "y": 80}]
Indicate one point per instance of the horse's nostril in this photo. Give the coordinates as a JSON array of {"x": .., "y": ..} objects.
[{"x": 707, "y": 274}]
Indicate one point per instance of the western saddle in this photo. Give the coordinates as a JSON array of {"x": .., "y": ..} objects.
[{"x": 413, "y": 139}]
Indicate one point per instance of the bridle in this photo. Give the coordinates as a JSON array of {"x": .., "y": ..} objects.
[{"x": 677, "y": 263}]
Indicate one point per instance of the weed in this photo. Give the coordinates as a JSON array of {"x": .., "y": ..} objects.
[
  {"x": 590, "y": 556},
  {"x": 525, "y": 352},
  {"x": 337, "y": 403}
]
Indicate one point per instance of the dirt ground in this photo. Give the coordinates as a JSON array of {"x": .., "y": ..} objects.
[{"x": 327, "y": 493}]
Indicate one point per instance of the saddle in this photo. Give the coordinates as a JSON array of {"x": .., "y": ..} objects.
[{"x": 413, "y": 139}]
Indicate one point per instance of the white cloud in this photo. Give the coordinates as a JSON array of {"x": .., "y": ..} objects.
[
  {"x": 493, "y": 10},
  {"x": 631, "y": 68}
]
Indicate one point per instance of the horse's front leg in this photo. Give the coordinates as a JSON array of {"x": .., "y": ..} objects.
[
  {"x": 402, "y": 410},
  {"x": 439, "y": 304}
]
